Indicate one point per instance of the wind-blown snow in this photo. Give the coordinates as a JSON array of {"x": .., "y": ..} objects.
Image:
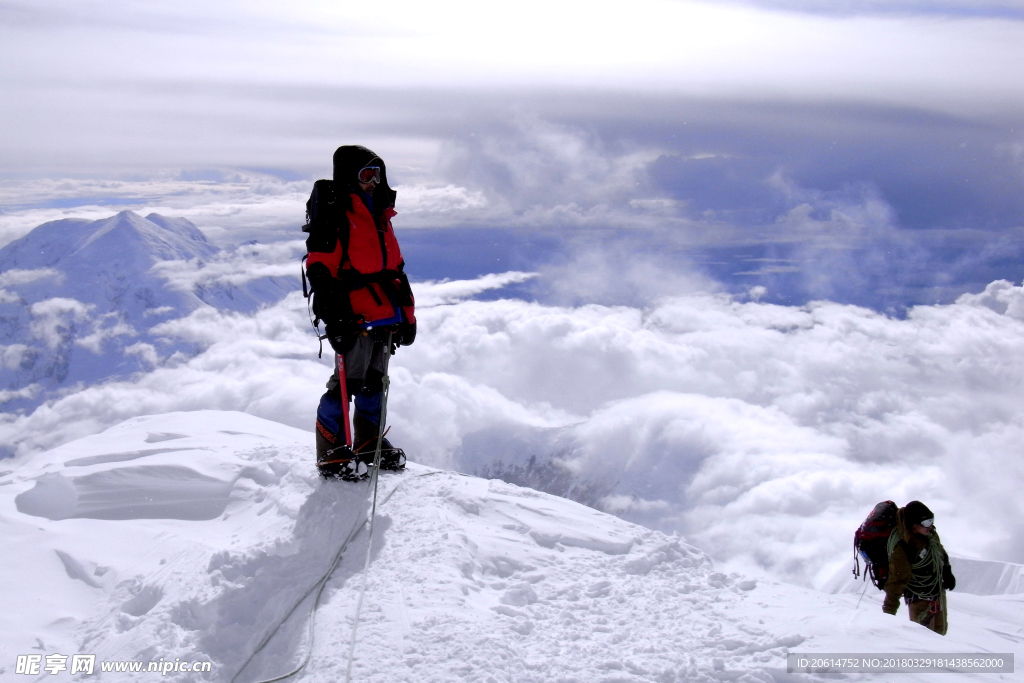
[{"x": 470, "y": 579}]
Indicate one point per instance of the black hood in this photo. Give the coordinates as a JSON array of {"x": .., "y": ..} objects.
[
  {"x": 348, "y": 160},
  {"x": 915, "y": 513}
]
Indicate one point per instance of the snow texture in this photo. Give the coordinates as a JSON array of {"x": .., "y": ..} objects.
[{"x": 470, "y": 579}]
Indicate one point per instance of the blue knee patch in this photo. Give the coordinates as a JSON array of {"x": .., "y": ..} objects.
[
  {"x": 329, "y": 413},
  {"x": 368, "y": 406}
]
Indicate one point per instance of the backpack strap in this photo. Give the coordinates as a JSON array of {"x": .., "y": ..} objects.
[{"x": 302, "y": 271}]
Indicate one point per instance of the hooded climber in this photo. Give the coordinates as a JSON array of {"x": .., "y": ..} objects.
[
  {"x": 919, "y": 569},
  {"x": 362, "y": 295}
]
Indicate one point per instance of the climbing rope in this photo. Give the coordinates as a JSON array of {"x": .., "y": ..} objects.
[
  {"x": 926, "y": 576},
  {"x": 322, "y": 583},
  {"x": 373, "y": 510},
  {"x": 319, "y": 588},
  {"x": 923, "y": 583}
]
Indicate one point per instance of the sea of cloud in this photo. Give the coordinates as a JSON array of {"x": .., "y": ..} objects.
[{"x": 764, "y": 433}]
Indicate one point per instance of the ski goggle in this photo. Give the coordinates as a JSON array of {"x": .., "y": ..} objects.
[
  {"x": 369, "y": 174},
  {"x": 927, "y": 523}
]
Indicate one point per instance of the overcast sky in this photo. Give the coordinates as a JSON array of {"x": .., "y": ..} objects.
[{"x": 872, "y": 155}]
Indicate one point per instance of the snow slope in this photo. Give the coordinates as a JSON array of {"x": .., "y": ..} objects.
[{"x": 193, "y": 535}]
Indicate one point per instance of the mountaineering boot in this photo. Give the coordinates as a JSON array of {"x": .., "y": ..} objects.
[
  {"x": 391, "y": 458},
  {"x": 341, "y": 463},
  {"x": 365, "y": 435},
  {"x": 338, "y": 462}
]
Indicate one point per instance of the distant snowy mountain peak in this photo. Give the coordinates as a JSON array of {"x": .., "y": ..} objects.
[
  {"x": 61, "y": 243},
  {"x": 105, "y": 262},
  {"x": 180, "y": 226},
  {"x": 193, "y": 536},
  {"x": 78, "y": 298},
  {"x": 129, "y": 235}
]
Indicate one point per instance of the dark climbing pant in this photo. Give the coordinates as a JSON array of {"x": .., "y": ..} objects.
[
  {"x": 365, "y": 366},
  {"x": 928, "y": 613}
]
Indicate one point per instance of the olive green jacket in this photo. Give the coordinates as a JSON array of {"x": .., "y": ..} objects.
[{"x": 900, "y": 572}]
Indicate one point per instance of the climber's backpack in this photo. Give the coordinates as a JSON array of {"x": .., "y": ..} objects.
[
  {"x": 871, "y": 541},
  {"x": 325, "y": 225},
  {"x": 325, "y": 218}
]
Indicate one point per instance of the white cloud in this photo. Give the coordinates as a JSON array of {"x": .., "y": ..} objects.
[
  {"x": 618, "y": 504},
  {"x": 770, "y": 430},
  {"x": 28, "y": 392},
  {"x": 969, "y": 8},
  {"x": 765, "y": 433},
  {"x": 104, "y": 327},
  {"x": 159, "y": 310},
  {"x": 419, "y": 199},
  {"x": 18, "y": 276},
  {"x": 265, "y": 362},
  {"x": 609, "y": 271},
  {"x": 234, "y": 267},
  {"x": 54, "y": 319},
  {"x": 1000, "y": 296},
  {"x": 145, "y": 351},
  {"x": 534, "y": 173},
  {"x": 13, "y": 355},
  {"x": 437, "y": 293}
]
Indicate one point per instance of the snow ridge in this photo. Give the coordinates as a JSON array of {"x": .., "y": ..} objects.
[{"x": 470, "y": 579}]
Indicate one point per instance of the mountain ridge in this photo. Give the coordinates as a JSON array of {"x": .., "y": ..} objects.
[
  {"x": 49, "y": 243},
  {"x": 79, "y": 298},
  {"x": 470, "y": 579}
]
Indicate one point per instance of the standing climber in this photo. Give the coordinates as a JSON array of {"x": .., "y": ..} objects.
[
  {"x": 362, "y": 294},
  {"x": 919, "y": 569}
]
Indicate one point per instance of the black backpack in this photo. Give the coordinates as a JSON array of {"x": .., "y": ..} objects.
[
  {"x": 325, "y": 225},
  {"x": 871, "y": 542},
  {"x": 325, "y": 217}
]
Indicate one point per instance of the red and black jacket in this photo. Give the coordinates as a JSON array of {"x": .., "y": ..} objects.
[{"x": 354, "y": 263}]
